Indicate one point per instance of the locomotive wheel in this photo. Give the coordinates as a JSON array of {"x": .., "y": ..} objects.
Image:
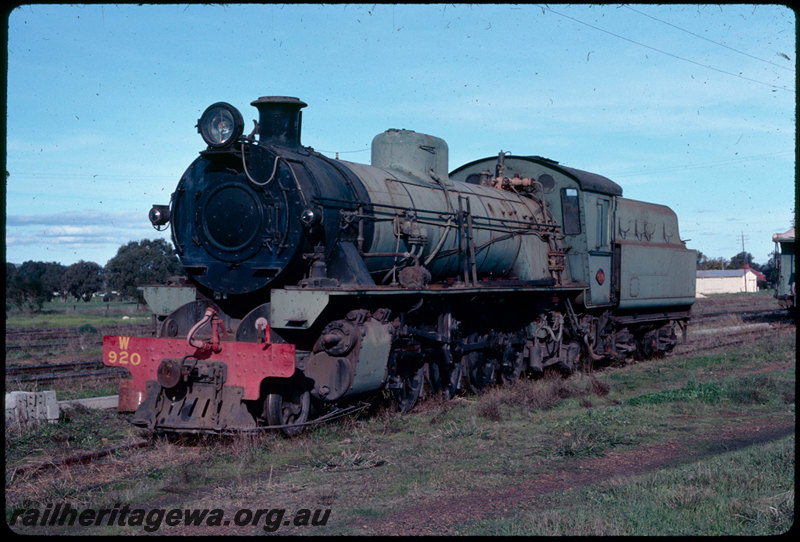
[
  {"x": 286, "y": 406},
  {"x": 436, "y": 371},
  {"x": 405, "y": 397},
  {"x": 648, "y": 346},
  {"x": 444, "y": 377},
  {"x": 512, "y": 367},
  {"x": 480, "y": 370}
]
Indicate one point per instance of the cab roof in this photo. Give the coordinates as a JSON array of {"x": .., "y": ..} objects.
[{"x": 587, "y": 181}]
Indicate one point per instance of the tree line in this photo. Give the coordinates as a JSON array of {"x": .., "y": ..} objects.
[
  {"x": 770, "y": 269},
  {"x": 138, "y": 263}
]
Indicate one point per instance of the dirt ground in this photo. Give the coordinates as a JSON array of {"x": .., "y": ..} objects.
[{"x": 439, "y": 518}]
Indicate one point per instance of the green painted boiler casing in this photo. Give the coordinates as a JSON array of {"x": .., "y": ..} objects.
[{"x": 409, "y": 190}]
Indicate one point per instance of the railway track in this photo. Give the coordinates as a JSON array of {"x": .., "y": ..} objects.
[
  {"x": 712, "y": 339},
  {"x": 88, "y": 457},
  {"x": 72, "y": 331},
  {"x": 52, "y": 372},
  {"x": 61, "y": 337},
  {"x": 742, "y": 314}
]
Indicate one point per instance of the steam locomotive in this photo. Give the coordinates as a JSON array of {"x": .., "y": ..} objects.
[{"x": 321, "y": 280}]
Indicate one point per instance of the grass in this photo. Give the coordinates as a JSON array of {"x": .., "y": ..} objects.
[
  {"x": 746, "y": 492},
  {"x": 78, "y": 313},
  {"x": 368, "y": 469},
  {"x": 80, "y": 429},
  {"x": 83, "y": 317},
  {"x": 70, "y": 392},
  {"x": 371, "y": 468}
]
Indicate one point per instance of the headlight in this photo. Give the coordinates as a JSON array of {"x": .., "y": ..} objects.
[
  {"x": 310, "y": 216},
  {"x": 159, "y": 216},
  {"x": 220, "y": 124}
]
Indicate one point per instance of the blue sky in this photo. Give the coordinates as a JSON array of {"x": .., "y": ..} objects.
[{"x": 690, "y": 106}]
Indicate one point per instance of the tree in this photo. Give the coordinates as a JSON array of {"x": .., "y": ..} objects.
[
  {"x": 701, "y": 259},
  {"x": 704, "y": 264},
  {"x": 82, "y": 279},
  {"x": 770, "y": 269},
  {"x": 738, "y": 261},
  {"x": 140, "y": 263},
  {"x": 33, "y": 284},
  {"x": 11, "y": 270}
]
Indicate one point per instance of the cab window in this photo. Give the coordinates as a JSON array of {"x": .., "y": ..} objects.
[
  {"x": 602, "y": 223},
  {"x": 570, "y": 211}
]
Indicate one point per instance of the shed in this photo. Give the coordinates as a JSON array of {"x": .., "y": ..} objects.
[
  {"x": 760, "y": 277},
  {"x": 727, "y": 281}
]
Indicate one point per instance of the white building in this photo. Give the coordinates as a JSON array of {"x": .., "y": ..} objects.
[{"x": 728, "y": 281}]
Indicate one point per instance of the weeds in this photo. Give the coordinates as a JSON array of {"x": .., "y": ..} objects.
[
  {"x": 453, "y": 430},
  {"x": 349, "y": 460},
  {"x": 79, "y": 429},
  {"x": 542, "y": 394},
  {"x": 590, "y": 441},
  {"x": 745, "y": 390},
  {"x": 709, "y": 392},
  {"x": 760, "y": 389}
]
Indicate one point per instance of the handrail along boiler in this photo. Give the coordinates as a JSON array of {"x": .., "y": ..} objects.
[{"x": 321, "y": 280}]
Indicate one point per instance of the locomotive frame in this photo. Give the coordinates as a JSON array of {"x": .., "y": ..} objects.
[{"x": 321, "y": 281}]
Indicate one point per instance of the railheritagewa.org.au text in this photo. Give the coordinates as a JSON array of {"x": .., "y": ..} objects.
[{"x": 151, "y": 520}]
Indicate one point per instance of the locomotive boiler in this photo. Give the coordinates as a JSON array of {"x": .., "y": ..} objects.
[{"x": 322, "y": 280}]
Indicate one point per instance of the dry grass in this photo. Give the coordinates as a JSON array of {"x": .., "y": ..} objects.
[{"x": 541, "y": 394}]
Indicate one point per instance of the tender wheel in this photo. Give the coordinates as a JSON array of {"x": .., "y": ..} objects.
[{"x": 288, "y": 404}]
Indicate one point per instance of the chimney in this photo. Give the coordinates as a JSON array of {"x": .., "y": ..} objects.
[{"x": 279, "y": 120}]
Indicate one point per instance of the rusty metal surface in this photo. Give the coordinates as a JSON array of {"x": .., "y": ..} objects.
[
  {"x": 204, "y": 407},
  {"x": 248, "y": 363}
]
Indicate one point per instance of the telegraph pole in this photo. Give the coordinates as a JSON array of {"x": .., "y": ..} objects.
[{"x": 744, "y": 254}]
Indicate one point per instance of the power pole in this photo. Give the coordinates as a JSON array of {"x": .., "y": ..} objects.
[{"x": 744, "y": 253}]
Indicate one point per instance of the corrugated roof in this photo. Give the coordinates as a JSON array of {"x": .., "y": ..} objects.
[
  {"x": 721, "y": 273},
  {"x": 759, "y": 275}
]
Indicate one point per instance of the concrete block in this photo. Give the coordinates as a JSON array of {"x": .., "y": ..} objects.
[{"x": 26, "y": 408}]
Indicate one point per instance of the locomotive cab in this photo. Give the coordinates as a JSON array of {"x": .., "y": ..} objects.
[
  {"x": 582, "y": 203},
  {"x": 624, "y": 253}
]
